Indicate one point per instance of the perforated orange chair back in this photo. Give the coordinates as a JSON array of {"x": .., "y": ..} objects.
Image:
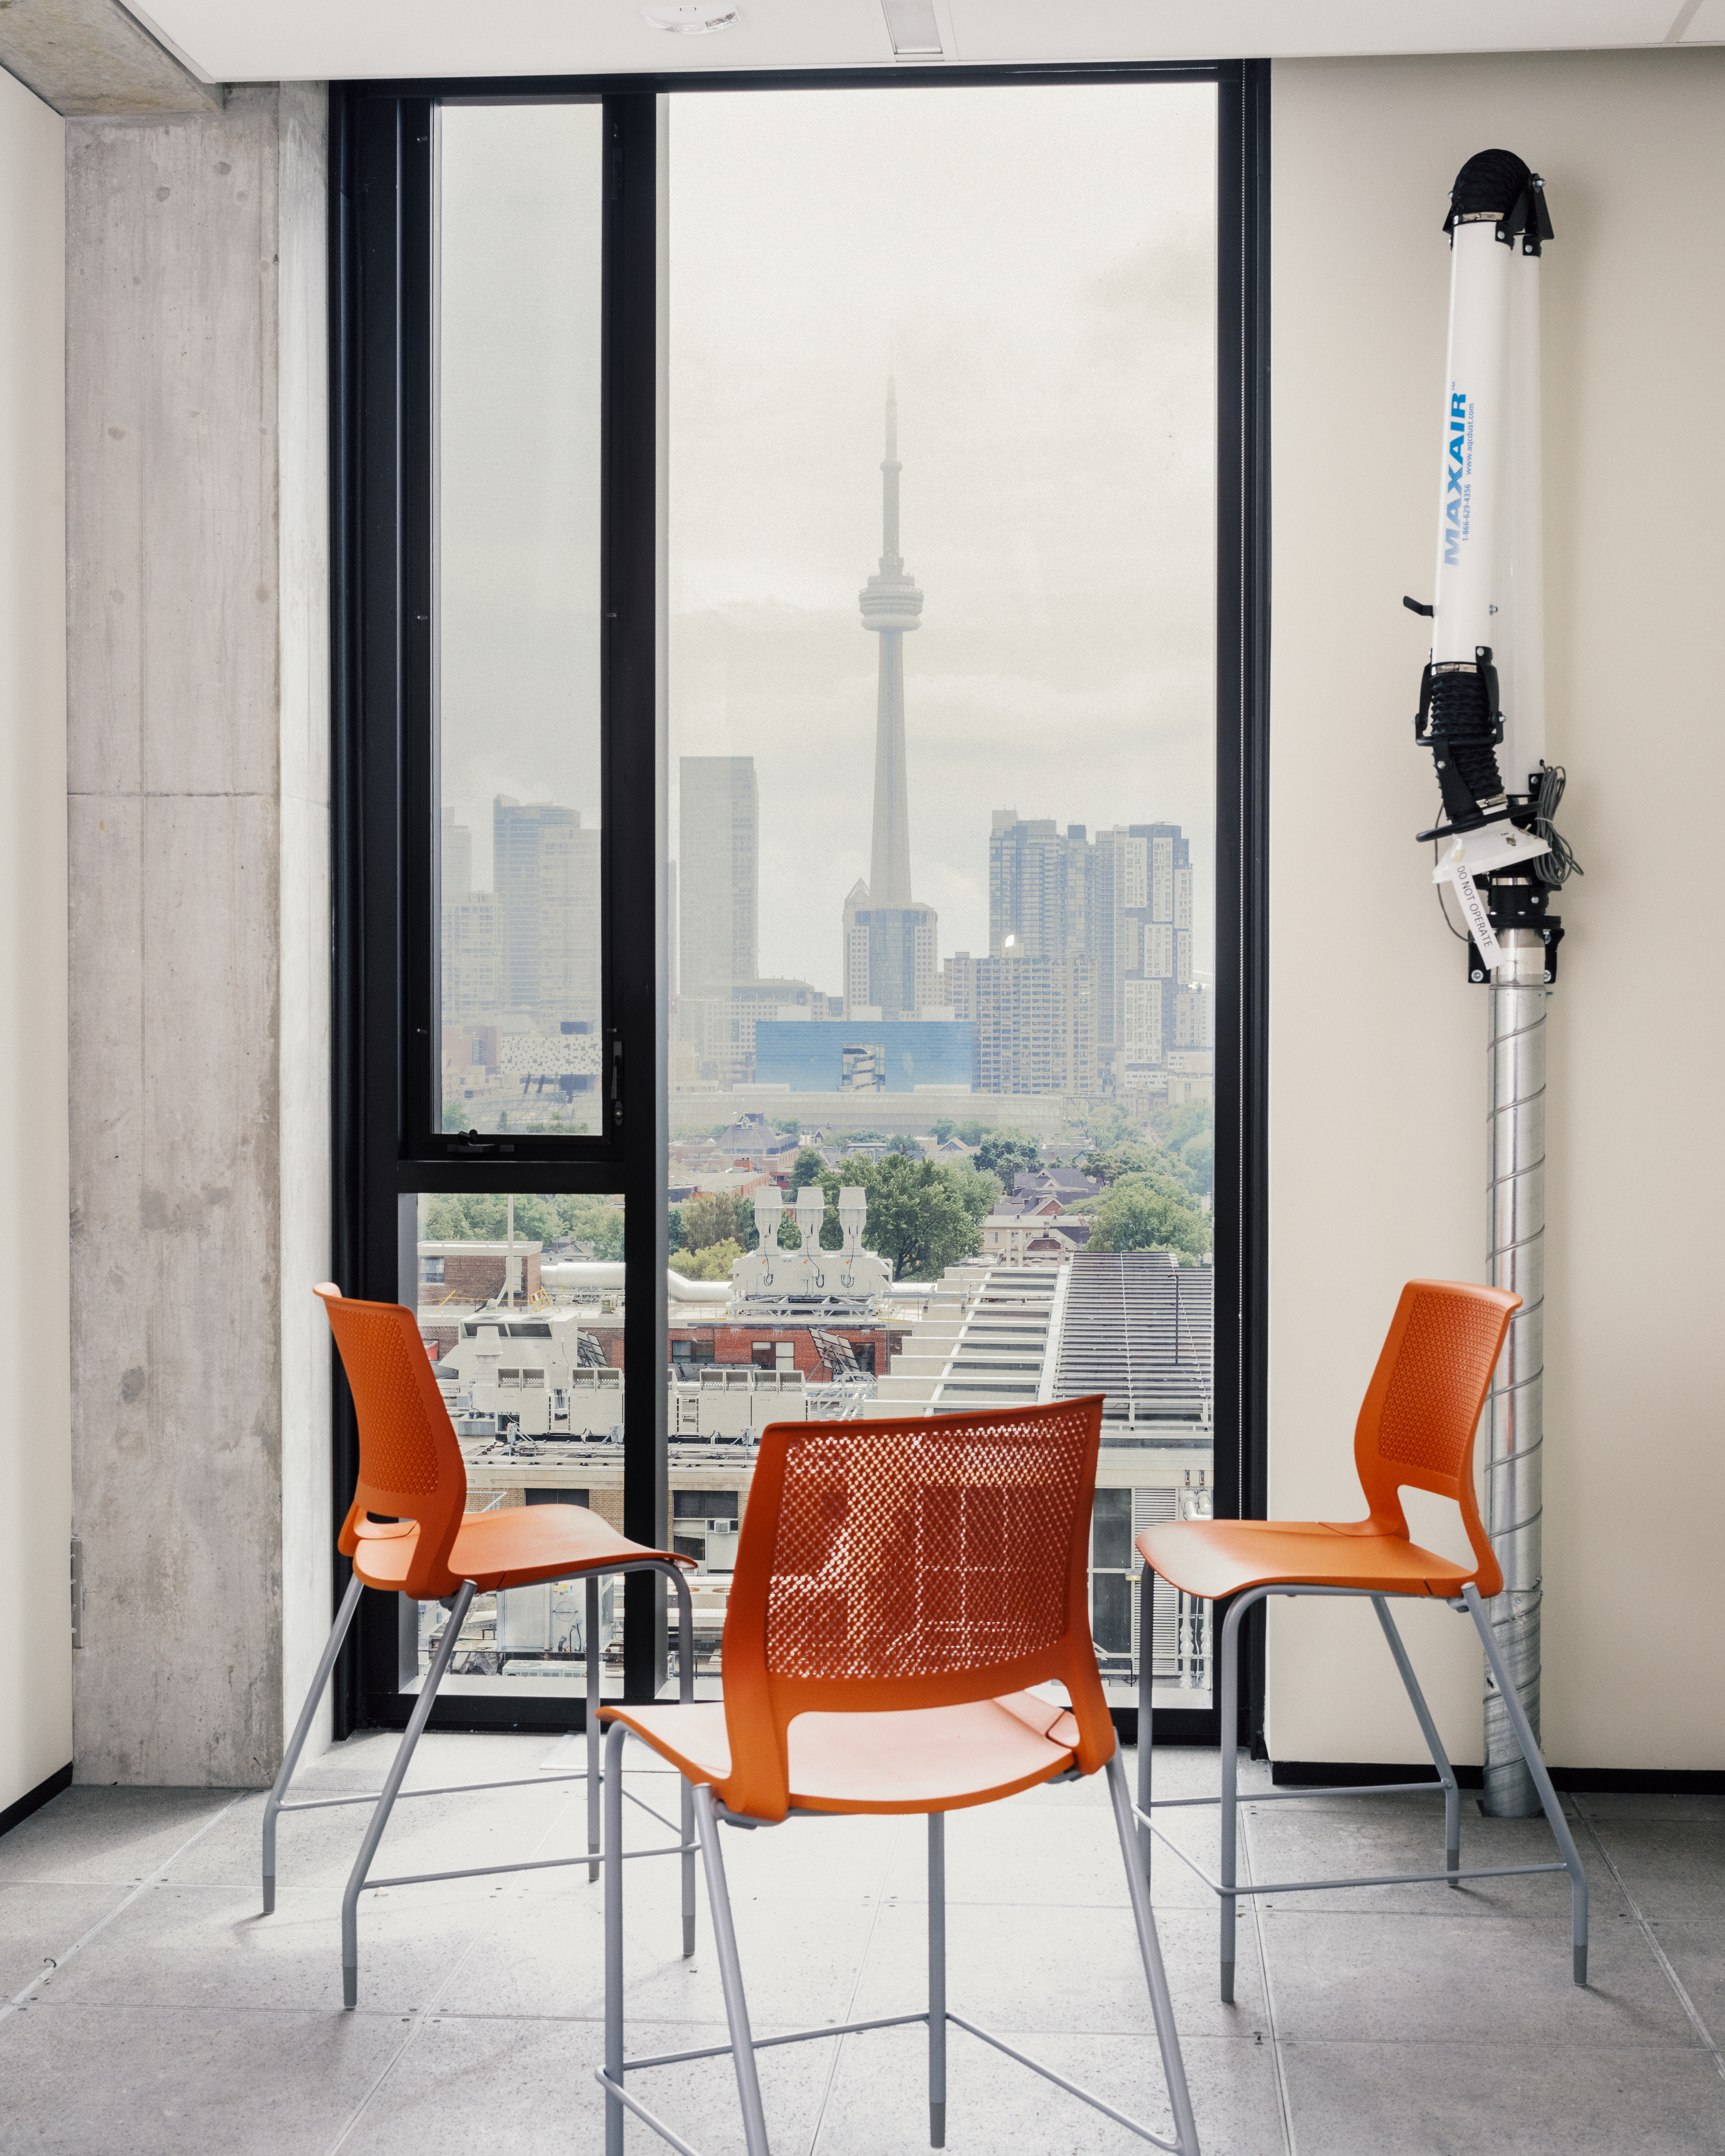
[
  {"x": 410, "y": 1466},
  {"x": 1422, "y": 1408},
  {"x": 886, "y": 1565}
]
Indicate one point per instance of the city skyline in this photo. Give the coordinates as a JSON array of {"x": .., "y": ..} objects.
[{"x": 1056, "y": 422}]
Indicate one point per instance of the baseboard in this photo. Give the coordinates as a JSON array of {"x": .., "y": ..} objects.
[
  {"x": 1631, "y": 1781},
  {"x": 32, "y": 1800}
]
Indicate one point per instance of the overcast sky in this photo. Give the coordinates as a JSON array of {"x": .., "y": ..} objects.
[{"x": 1036, "y": 267}]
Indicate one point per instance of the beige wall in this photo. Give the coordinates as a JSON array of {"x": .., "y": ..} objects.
[
  {"x": 35, "y": 1459},
  {"x": 1377, "y": 1096}
]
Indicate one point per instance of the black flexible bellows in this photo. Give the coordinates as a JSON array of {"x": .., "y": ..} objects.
[
  {"x": 1462, "y": 712},
  {"x": 1496, "y": 183}
]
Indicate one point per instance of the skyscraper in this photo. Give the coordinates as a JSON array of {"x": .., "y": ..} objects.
[
  {"x": 1035, "y": 1025},
  {"x": 890, "y": 958},
  {"x": 546, "y": 867},
  {"x": 718, "y": 874},
  {"x": 1143, "y": 938},
  {"x": 1040, "y": 884}
]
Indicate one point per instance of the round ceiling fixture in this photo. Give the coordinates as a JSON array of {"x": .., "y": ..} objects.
[{"x": 692, "y": 18}]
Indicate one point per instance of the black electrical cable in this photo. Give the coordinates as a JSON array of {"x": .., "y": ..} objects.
[{"x": 1555, "y": 867}]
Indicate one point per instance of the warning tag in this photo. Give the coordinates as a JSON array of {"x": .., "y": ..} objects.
[{"x": 1473, "y": 906}]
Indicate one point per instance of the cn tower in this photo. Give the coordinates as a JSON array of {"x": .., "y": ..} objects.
[
  {"x": 892, "y": 603},
  {"x": 890, "y": 961}
]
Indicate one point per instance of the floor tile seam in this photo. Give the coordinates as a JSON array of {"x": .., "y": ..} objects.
[
  {"x": 1283, "y": 2097},
  {"x": 53, "y": 1964},
  {"x": 1647, "y": 1931},
  {"x": 421, "y": 2015},
  {"x": 1465, "y": 2042}
]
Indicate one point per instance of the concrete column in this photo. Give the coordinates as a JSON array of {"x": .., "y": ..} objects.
[{"x": 198, "y": 810}]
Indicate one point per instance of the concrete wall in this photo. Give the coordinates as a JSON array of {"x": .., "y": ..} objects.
[
  {"x": 1377, "y": 1096},
  {"x": 35, "y": 1446},
  {"x": 198, "y": 819}
]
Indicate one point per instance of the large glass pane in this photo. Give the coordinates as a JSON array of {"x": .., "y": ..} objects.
[
  {"x": 942, "y": 618},
  {"x": 517, "y": 618},
  {"x": 520, "y": 1304}
]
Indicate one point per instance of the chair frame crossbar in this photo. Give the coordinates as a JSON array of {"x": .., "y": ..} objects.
[
  {"x": 383, "y": 1800},
  {"x": 1228, "y": 1889},
  {"x": 935, "y": 2017}
]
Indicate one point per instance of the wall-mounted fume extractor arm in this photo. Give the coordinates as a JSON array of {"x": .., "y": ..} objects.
[{"x": 1482, "y": 693}]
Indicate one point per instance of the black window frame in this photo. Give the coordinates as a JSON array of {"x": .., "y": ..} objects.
[{"x": 387, "y": 1148}]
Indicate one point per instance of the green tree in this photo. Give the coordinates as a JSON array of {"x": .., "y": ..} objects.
[
  {"x": 808, "y": 1167},
  {"x": 1148, "y": 1213},
  {"x": 978, "y": 1191},
  {"x": 708, "y": 1219},
  {"x": 907, "y": 1146},
  {"x": 917, "y": 1220},
  {"x": 1006, "y": 1151},
  {"x": 598, "y": 1222},
  {"x": 1197, "y": 1163},
  {"x": 1178, "y": 1126},
  {"x": 1127, "y": 1156},
  {"x": 476, "y": 1218},
  {"x": 712, "y": 1261},
  {"x": 943, "y": 1129},
  {"x": 674, "y": 1227},
  {"x": 970, "y": 1131},
  {"x": 1106, "y": 1125}
]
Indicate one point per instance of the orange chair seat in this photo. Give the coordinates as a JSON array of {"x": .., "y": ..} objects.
[
  {"x": 513, "y": 1547},
  {"x": 916, "y": 1759},
  {"x": 1214, "y": 1558}
]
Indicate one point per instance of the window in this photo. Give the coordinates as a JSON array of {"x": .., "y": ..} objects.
[
  {"x": 800, "y": 784},
  {"x": 942, "y": 591}
]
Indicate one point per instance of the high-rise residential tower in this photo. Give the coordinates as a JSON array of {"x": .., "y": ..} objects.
[
  {"x": 1040, "y": 887},
  {"x": 890, "y": 958},
  {"x": 718, "y": 874},
  {"x": 546, "y": 867}
]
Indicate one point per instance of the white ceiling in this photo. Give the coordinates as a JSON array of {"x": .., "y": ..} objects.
[{"x": 273, "y": 40}]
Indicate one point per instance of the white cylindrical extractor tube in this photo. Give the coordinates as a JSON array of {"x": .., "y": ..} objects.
[
  {"x": 1520, "y": 641},
  {"x": 1465, "y": 596}
]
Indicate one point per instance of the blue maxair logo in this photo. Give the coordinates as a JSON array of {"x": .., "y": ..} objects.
[{"x": 1454, "y": 497}]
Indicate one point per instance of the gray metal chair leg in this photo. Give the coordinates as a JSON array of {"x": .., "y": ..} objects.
[
  {"x": 302, "y": 1730},
  {"x": 936, "y": 1979},
  {"x": 685, "y": 1697},
  {"x": 1434, "y": 1743},
  {"x": 392, "y": 1785},
  {"x": 1146, "y": 1617},
  {"x": 614, "y": 1934},
  {"x": 1230, "y": 1781},
  {"x": 592, "y": 1725},
  {"x": 1542, "y": 1780},
  {"x": 1161, "y": 2005},
  {"x": 736, "y": 2010}
]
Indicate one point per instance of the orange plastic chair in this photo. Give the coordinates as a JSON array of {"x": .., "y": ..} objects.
[
  {"x": 429, "y": 1546},
  {"x": 901, "y": 1588},
  {"x": 1415, "y": 1431}
]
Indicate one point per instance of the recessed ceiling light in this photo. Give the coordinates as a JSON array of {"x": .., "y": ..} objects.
[{"x": 692, "y": 18}]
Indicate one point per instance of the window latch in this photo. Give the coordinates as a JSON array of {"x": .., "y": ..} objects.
[{"x": 616, "y": 1082}]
